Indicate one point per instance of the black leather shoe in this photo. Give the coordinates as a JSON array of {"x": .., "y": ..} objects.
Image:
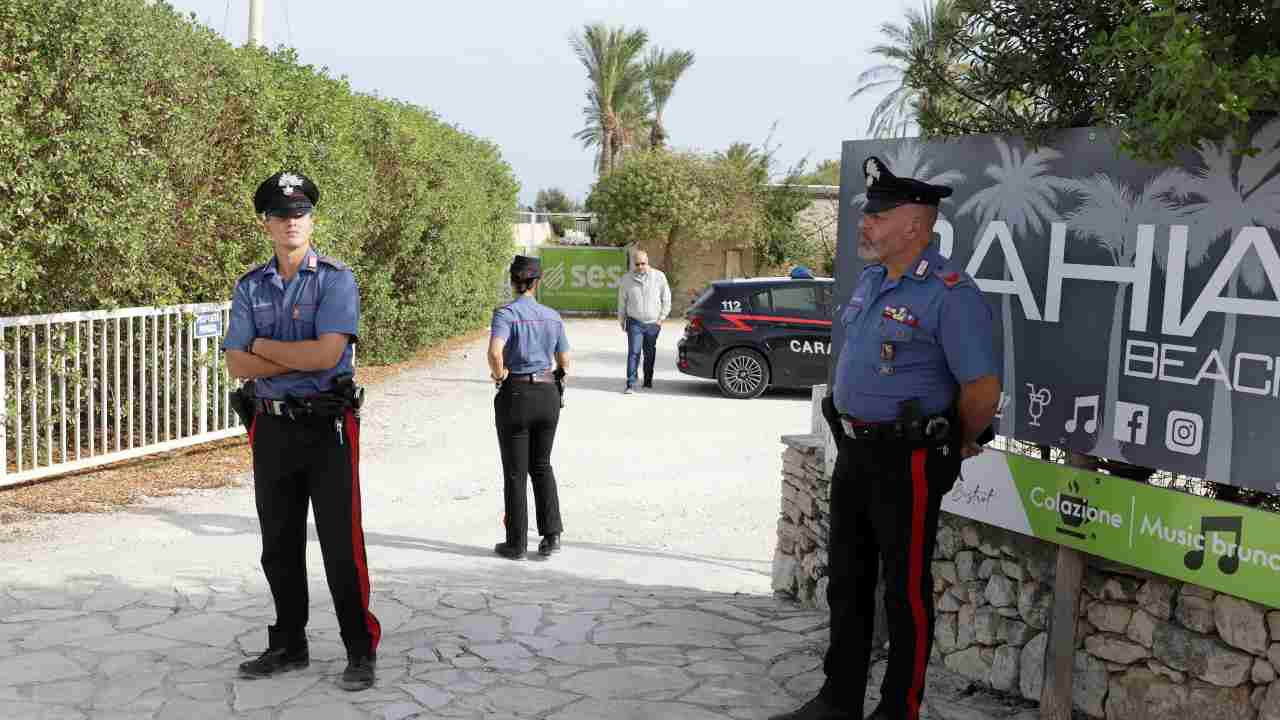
[
  {"x": 880, "y": 715},
  {"x": 509, "y": 551},
  {"x": 816, "y": 709},
  {"x": 283, "y": 654},
  {"x": 359, "y": 673},
  {"x": 550, "y": 544},
  {"x": 648, "y": 383}
]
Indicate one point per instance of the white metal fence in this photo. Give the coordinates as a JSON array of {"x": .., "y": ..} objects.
[{"x": 83, "y": 389}]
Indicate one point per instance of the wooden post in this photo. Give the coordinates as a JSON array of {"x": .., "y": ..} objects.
[{"x": 1059, "y": 660}]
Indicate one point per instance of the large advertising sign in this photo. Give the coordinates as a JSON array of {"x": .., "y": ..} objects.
[
  {"x": 1227, "y": 547},
  {"x": 1136, "y": 306},
  {"x": 581, "y": 279}
]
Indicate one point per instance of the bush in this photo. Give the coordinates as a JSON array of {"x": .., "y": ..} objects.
[{"x": 131, "y": 140}]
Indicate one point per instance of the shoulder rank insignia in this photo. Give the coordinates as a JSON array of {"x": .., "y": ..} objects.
[
  {"x": 922, "y": 270},
  {"x": 951, "y": 279},
  {"x": 901, "y": 314}
]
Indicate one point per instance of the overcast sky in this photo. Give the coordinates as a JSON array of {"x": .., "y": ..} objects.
[{"x": 503, "y": 70}]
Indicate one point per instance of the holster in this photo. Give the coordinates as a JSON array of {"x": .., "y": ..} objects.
[
  {"x": 240, "y": 401},
  {"x": 559, "y": 375},
  {"x": 335, "y": 403}
]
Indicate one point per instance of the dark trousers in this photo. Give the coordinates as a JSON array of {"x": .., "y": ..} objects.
[
  {"x": 301, "y": 461},
  {"x": 641, "y": 337},
  {"x": 885, "y": 500},
  {"x": 526, "y": 415}
]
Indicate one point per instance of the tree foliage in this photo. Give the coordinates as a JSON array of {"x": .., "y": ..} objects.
[
  {"x": 1169, "y": 73},
  {"x": 682, "y": 202},
  {"x": 554, "y": 200},
  {"x": 663, "y": 69},
  {"x": 626, "y": 94},
  {"x": 131, "y": 140},
  {"x": 826, "y": 172},
  {"x": 922, "y": 35},
  {"x": 686, "y": 203}
]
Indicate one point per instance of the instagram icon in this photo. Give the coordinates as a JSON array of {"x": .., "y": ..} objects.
[{"x": 1184, "y": 432}]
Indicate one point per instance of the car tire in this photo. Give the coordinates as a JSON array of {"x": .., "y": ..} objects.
[{"x": 742, "y": 374}]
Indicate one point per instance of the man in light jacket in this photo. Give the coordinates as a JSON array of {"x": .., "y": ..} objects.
[{"x": 644, "y": 301}]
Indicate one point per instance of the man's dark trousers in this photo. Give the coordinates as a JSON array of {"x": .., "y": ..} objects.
[
  {"x": 526, "y": 415},
  {"x": 641, "y": 337},
  {"x": 885, "y": 500},
  {"x": 296, "y": 461}
]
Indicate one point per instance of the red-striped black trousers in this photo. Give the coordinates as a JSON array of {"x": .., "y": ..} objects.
[
  {"x": 885, "y": 500},
  {"x": 313, "y": 461}
]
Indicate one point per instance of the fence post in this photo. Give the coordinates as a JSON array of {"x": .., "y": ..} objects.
[
  {"x": 1055, "y": 695},
  {"x": 204, "y": 386},
  {"x": 4, "y": 414}
]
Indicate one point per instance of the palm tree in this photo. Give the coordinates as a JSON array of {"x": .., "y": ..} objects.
[
  {"x": 609, "y": 55},
  {"x": 921, "y": 34},
  {"x": 1109, "y": 216},
  {"x": 632, "y": 120},
  {"x": 1025, "y": 197},
  {"x": 663, "y": 69},
  {"x": 1230, "y": 201},
  {"x": 744, "y": 155}
]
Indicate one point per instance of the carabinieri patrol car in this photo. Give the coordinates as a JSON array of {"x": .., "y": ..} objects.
[{"x": 752, "y": 333}]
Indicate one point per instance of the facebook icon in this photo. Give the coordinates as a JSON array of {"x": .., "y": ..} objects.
[{"x": 1131, "y": 422}]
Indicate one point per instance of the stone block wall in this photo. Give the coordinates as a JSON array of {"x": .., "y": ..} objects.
[{"x": 1146, "y": 646}]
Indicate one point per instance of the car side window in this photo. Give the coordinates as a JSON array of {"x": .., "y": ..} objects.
[
  {"x": 761, "y": 302},
  {"x": 796, "y": 300},
  {"x": 825, "y": 294}
]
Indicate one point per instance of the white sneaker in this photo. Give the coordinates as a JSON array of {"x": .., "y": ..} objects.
[{"x": 629, "y": 391}]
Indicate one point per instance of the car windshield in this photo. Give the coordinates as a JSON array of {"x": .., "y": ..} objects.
[{"x": 703, "y": 297}]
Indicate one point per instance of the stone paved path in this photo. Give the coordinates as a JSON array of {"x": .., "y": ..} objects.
[
  {"x": 658, "y": 607},
  {"x": 508, "y": 644}
]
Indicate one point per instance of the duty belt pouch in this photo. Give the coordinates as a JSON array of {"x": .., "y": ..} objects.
[{"x": 240, "y": 401}]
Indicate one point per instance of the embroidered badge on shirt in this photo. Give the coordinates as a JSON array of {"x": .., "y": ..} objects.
[
  {"x": 887, "y": 351},
  {"x": 296, "y": 314},
  {"x": 886, "y": 369},
  {"x": 922, "y": 269},
  {"x": 901, "y": 314},
  {"x": 311, "y": 262}
]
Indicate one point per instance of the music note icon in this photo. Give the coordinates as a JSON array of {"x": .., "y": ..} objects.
[
  {"x": 1090, "y": 403},
  {"x": 1229, "y": 562}
]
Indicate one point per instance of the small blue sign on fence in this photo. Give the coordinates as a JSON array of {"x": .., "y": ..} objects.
[{"x": 209, "y": 325}]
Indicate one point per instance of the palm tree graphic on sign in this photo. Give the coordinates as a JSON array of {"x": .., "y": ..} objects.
[
  {"x": 1230, "y": 201},
  {"x": 1024, "y": 198},
  {"x": 1109, "y": 216}
]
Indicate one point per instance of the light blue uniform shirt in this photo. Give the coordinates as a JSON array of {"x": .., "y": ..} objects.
[
  {"x": 533, "y": 333},
  {"x": 920, "y": 336},
  {"x": 321, "y": 298}
]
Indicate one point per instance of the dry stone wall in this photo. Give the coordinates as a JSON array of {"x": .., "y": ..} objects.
[{"x": 1146, "y": 646}]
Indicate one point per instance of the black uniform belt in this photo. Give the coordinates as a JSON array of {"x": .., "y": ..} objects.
[
  {"x": 271, "y": 407},
  {"x": 924, "y": 430},
  {"x": 538, "y": 377},
  {"x": 320, "y": 406}
]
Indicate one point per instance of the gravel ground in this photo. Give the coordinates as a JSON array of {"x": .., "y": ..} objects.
[{"x": 675, "y": 485}]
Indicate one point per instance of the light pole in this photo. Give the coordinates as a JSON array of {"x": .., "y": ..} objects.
[{"x": 256, "y": 13}]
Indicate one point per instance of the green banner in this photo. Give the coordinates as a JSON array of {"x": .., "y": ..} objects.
[
  {"x": 1227, "y": 547},
  {"x": 582, "y": 279}
]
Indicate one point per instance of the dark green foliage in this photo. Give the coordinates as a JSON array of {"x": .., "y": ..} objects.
[{"x": 131, "y": 140}]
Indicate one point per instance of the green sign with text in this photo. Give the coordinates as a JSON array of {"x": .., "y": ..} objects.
[
  {"x": 582, "y": 279},
  {"x": 1227, "y": 547}
]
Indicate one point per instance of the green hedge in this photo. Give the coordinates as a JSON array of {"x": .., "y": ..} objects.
[{"x": 131, "y": 140}]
